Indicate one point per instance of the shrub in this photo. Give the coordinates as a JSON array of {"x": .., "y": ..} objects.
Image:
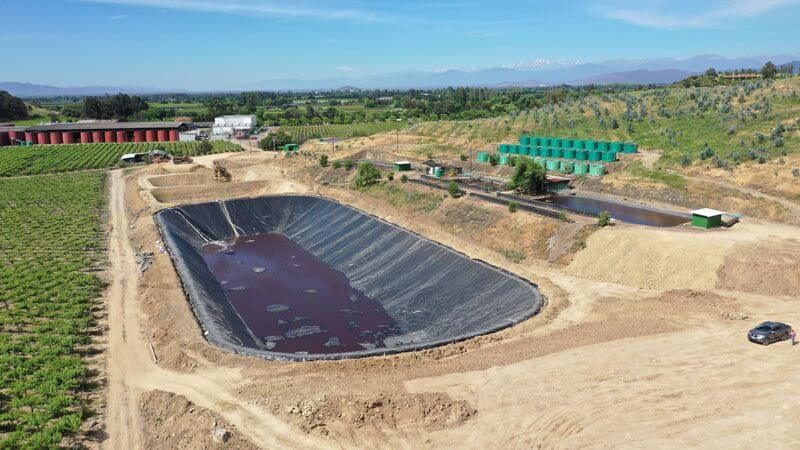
[
  {"x": 686, "y": 160},
  {"x": 463, "y": 157},
  {"x": 348, "y": 164},
  {"x": 512, "y": 207},
  {"x": 205, "y": 148},
  {"x": 323, "y": 160},
  {"x": 390, "y": 176},
  {"x": 562, "y": 216},
  {"x": 337, "y": 164},
  {"x": 453, "y": 189},
  {"x": 796, "y": 172},
  {"x": 404, "y": 179},
  {"x": 367, "y": 175},
  {"x": 528, "y": 176},
  {"x": 604, "y": 219},
  {"x": 708, "y": 152}
]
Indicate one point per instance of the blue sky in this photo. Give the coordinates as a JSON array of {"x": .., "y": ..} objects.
[{"x": 199, "y": 44}]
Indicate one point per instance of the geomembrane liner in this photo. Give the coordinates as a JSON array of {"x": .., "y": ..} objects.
[{"x": 423, "y": 293}]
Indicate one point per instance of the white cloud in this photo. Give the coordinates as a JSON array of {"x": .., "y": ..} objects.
[
  {"x": 681, "y": 14},
  {"x": 275, "y": 8},
  {"x": 118, "y": 17},
  {"x": 346, "y": 69}
]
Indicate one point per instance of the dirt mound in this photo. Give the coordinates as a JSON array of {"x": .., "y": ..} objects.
[
  {"x": 171, "y": 421},
  {"x": 650, "y": 259},
  {"x": 186, "y": 179},
  {"x": 429, "y": 411},
  {"x": 769, "y": 268},
  {"x": 181, "y": 194}
]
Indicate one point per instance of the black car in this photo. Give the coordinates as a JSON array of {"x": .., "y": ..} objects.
[{"x": 769, "y": 332}]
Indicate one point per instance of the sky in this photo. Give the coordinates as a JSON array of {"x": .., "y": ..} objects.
[{"x": 215, "y": 44}]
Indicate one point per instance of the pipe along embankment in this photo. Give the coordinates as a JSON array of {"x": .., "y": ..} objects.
[{"x": 304, "y": 278}]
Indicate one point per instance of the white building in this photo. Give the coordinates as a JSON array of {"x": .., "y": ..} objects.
[{"x": 227, "y": 125}]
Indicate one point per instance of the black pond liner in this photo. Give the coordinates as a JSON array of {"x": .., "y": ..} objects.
[{"x": 404, "y": 271}]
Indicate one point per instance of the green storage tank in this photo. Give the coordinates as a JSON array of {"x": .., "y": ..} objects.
[
  {"x": 567, "y": 143},
  {"x": 603, "y": 146},
  {"x": 630, "y": 147},
  {"x": 525, "y": 150},
  {"x": 590, "y": 145},
  {"x": 503, "y": 148},
  {"x": 616, "y": 147},
  {"x": 439, "y": 173},
  {"x": 545, "y": 142},
  {"x": 579, "y": 144},
  {"x": 545, "y": 152},
  {"x": 566, "y": 167},
  {"x": 483, "y": 157},
  {"x": 536, "y": 151},
  {"x": 609, "y": 156},
  {"x": 595, "y": 155},
  {"x": 552, "y": 164},
  {"x": 569, "y": 153},
  {"x": 513, "y": 149},
  {"x": 557, "y": 152},
  {"x": 582, "y": 155},
  {"x": 525, "y": 140},
  {"x": 555, "y": 142},
  {"x": 581, "y": 169},
  {"x": 504, "y": 159},
  {"x": 597, "y": 170},
  {"x": 535, "y": 141}
]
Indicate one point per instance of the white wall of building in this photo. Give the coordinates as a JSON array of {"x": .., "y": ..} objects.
[{"x": 232, "y": 124}]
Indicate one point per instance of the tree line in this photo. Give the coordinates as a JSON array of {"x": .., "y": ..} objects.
[{"x": 12, "y": 108}]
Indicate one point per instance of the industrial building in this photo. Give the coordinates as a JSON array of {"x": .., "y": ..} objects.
[
  {"x": 94, "y": 132},
  {"x": 228, "y": 125}
]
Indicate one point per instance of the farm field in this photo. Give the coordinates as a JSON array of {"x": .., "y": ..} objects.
[
  {"x": 37, "y": 160},
  {"x": 51, "y": 243},
  {"x": 302, "y": 133}
]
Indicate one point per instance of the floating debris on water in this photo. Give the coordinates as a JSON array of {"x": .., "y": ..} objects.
[
  {"x": 367, "y": 345},
  {"x": 351, "y": 311},
  {"x": 351, "y": 325},
  {"x": 277, "y": 308},
  {"x": 332, "y": 342},
  {"x": 309, "y": 291},
  {"x": 237, "y": 289},
  {"x": 306, "y": 330},
  {"x": 259, "y": 269}
]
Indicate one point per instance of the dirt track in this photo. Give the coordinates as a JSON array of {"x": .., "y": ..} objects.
[{"x": 607, "y": 363}]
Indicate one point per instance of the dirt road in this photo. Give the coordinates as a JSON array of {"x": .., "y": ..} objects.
[{"x": 132, "y": 370}]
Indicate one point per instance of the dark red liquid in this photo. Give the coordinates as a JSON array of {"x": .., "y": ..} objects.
[{"x": 294, "y": 301}]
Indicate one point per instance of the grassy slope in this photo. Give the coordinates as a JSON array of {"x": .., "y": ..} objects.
[{"x": 696, "y": 117}]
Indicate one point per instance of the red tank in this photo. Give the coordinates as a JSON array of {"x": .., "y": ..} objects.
[
  {"x": 86, "y": 137},
  {"x": 122, "y": 136},
  {"x": 162, "y": 135},
  {"x": 110, "y": 137},
  {"x": 4, "y": 140},
  {"x": 67, "y": 137},
  {"x": 150, "y": 135},
  {"x": 97, "y": 136},
  {"x": 12, "y": 135},
  {"x": 138, "y": 136},
  {"x": 173, "y": 135},
  {"x": 43, "y": 138},
  {"x": 55, "y": 137},
  {"x": 30, "y": 136}
]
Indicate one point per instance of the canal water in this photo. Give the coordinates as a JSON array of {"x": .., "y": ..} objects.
[
  {"x": 293, "y": 301},
  {"x": 619, "y": 211}
]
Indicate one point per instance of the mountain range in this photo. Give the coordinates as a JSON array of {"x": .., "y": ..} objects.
[{"x": 524, "y": 74}]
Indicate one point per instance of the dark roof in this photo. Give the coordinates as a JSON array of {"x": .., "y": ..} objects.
[{"x": 92, "y": 126}]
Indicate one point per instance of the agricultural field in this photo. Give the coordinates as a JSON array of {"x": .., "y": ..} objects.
[
  {"x": 51, "y": 243},
  {"x": 66, "y": 158},
  {"x": 727, "y": 124},
  {"x": 302, "y": 133}
]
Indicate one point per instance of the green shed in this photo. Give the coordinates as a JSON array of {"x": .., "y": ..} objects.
[
  {"x": 402, "y": 166},
  {"x": 707, "y": 218},
  {"x": 291, "y": 148}
]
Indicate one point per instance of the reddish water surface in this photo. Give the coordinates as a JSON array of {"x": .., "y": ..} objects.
[{"x": 294, "y": 301}]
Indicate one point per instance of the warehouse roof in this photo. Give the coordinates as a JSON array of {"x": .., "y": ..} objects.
[
  {"x": 107, "y": 126},
  {"x": 707, "y": 212}
]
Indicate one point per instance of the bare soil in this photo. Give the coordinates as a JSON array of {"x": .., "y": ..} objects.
[{"x": 641, "y": 343}]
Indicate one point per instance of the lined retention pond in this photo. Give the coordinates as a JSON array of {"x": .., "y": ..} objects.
[
  {"x": 637, "y": 214},
  {"x": 303, "y": 277}
]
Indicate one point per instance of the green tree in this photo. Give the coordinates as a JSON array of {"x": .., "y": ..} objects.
[
  {"x": 205, "y": 148},
  {"x": 528, "y": 177},
  {"x": 323, "y": 160},
  {"x": 711, "y": 72},
  {"x": 512, "y": 207},
  {"x": 453, "y": 189},
  {"x": 367, "y": 175},
  {"x": 604, "y": 219},
  {"x": 769, "y": 70},
  {"x": 274, "y": 141}
]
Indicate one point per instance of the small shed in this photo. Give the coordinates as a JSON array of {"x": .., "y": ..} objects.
[
  {"x": 707, "y": 218},
  {"x": 291, "y": 148},
  {"x": 555, "y": 184},
  {"x": 402, "y": 166}
]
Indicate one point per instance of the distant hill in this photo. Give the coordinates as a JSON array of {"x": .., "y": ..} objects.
[
  {"x": 665, "y": 76},
  {"x": 40, "y": 90}
]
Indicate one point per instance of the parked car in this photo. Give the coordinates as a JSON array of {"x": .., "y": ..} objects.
[{"x": 769, "y": 332}]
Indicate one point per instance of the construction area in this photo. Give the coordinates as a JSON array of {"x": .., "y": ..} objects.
[{"x": 544, "y": 332}]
